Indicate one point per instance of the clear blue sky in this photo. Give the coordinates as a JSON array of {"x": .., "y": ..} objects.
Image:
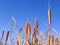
[{"x": 22, "y": 10}]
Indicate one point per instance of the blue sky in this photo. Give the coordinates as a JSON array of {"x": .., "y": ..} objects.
[{"x": 22, "y": 10}]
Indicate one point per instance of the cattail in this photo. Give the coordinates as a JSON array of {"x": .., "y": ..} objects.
[
  {"x": 28, "y": 28},
  {"x": 2, "y": 33},
  {"x": 7, "y": 36},
  {"x": 26, "y": 32},
  {"x": 49, "y": 13},
  {"x": 36, "y": 23},
  {"x": 49, "y": 16},
  {"x": 35, "y": 32},
  {"x": 36, "y": 27}
]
